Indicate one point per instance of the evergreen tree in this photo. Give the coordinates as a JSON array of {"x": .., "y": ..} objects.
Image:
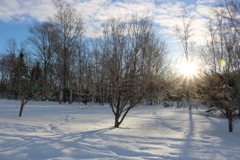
[
  {"x": 218, "y": 92},
  {"x": 32, "y": 87},
  {"x": 36, "y": 78},
  {"x": 19, "y": 75}
]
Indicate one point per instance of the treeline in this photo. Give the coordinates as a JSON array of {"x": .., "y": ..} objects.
[
  {"x": 121, "y": 67},
  {"x": 126, "y": 64}
]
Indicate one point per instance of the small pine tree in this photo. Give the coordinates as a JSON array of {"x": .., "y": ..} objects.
[{"x": 217, "y": 92}]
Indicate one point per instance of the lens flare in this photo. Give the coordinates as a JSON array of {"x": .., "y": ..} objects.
[{"x": 223, "y": 63}]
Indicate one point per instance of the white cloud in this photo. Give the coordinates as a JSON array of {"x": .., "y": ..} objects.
[
  {"x": 25, "y": 9},
  {"x": 93, "y": 9},
  {"x": 205, "y": 1},
  {"x": 169, "y": 15},
  {"x": 95, "y": 12},
  {"x": 101, "y": 10},
  {"x": 166, "y": 13},
  {"x": 204, "y": 10}
]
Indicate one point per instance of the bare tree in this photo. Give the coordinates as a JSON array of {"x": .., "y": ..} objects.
[
  {"x": 6, "y": 65},
  {"x": 185, "y": 33},
  {"x": 70, "y": 28},
  {"x": 231, "y": 10},
  {"x": 132, "y": 58},
  {"x": 42, "y": 38}
]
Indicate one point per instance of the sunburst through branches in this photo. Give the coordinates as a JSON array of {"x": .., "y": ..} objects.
[{"x": 189, "y": 69}]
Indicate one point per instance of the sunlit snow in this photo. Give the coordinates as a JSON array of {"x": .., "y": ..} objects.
[{"x": 52, "y": 131}]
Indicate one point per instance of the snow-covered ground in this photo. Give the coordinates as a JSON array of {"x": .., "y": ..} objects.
[{"x": 53, "y": 131}]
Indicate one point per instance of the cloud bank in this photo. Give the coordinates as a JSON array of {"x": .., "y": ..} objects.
[{"x": 165, "y": 13}]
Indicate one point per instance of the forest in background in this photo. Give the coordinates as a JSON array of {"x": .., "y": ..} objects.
[{"x": 126, "y": 64}]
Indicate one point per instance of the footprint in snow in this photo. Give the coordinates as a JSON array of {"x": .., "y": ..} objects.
[
  {"x": 68, "y": 118},
  {"x": 52, "y": 127}
]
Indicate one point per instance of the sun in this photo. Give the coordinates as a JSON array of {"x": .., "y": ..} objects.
[{"x": 189, "y": 69}]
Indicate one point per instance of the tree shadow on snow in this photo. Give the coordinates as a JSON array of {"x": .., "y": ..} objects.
[{"x": 52, "y": 144}]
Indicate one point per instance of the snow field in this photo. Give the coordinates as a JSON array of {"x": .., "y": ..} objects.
[{"x": 52, "y": 131}]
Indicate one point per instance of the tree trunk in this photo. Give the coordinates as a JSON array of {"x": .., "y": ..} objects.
[
  {"x": 61, "y": 97},
  {"x": 189, "y": 93},
  {"x": 230, "y": 121},
  {"x": 227, "y": 113},
  {"x": 117, "y": 123},
  {"x": 230, "y": 125},
  {"x": 70, "y": 97},
  {"x": 64, "y": 96},
  {"x": 21, "y": 108}
]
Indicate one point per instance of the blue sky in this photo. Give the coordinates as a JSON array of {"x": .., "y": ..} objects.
[{"x": 16, "y": 16}]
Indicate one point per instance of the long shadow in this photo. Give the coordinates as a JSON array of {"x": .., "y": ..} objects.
[
  {"x": 46, "y": 147},
  {"x": 87, "y": 144},
  {"x": 191, "y": 143},
  {"x": 188, "y": 144}
]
